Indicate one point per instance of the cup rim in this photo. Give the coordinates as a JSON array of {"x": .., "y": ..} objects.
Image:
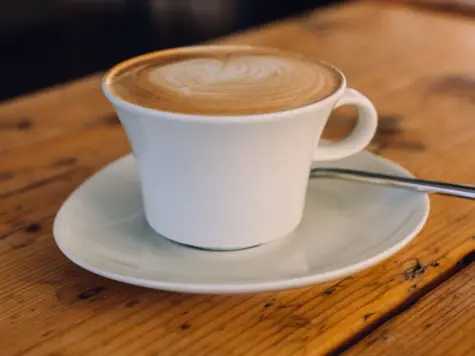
[{"x": 121, "y": 103}]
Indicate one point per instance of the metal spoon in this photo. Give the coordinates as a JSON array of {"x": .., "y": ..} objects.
[{"x": 421, "y": 185}]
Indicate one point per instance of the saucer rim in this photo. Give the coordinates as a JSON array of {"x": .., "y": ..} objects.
[{"x": 247, "y": 287}]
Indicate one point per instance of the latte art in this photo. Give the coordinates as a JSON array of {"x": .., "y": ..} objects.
[
  {"x": 207, "y": 76},
  {"x": 234, "y": 83}
]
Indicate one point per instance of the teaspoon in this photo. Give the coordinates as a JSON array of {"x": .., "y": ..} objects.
[{"x": 421, "y": 185}]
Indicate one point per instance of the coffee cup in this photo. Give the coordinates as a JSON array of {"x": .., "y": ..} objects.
[{"x": 224, "y": 138}]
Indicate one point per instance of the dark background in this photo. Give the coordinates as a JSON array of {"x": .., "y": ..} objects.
[{"x": 45, "y": 42}]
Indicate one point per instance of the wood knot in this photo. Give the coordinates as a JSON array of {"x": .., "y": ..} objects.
[
  {"x": 65, "y": 161},
  {"x": 414, "y": 271},
  {"x": 89, "y": 293},
  {"x": 185, "y": 326},
  {"x": 33, "y": 228}
]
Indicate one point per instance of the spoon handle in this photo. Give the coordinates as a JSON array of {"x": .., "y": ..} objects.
[{"x": 459, "y": 190}]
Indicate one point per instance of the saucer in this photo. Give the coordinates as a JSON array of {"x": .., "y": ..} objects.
[{"x": 346, "y": 228}]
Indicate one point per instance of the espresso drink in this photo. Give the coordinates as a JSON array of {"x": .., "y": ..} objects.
[{"x": 222, "y": 80}]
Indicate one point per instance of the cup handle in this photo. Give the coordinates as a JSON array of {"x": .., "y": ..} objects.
[{"x": 359, "y": 137}]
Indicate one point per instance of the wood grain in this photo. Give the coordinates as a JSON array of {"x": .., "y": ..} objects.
[
  {"x": 416, "y": 67},
  {"x": 460, "y": 6},
  {"x": 442, "y": 323},
  {"x": 53, "y": 112}
]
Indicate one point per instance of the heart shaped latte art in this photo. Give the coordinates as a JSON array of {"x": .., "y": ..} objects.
[
  {"x": 209, "y": 76},
  {"x": 228, "y": 84}
]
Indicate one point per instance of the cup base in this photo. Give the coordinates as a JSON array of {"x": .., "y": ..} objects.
[
  {"x": 226, "y": 248},
  {"x": 211, "y": 249}
]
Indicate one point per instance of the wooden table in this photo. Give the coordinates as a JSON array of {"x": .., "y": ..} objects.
[{"x": 419, "y": 69}]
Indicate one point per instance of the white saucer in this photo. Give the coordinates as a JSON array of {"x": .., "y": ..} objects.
[{"x": 346, "y": 227}]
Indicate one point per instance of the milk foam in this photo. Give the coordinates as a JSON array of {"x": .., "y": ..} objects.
[
  {"x": 210, "y": 76},
  {"x": 225, "y": 83}
]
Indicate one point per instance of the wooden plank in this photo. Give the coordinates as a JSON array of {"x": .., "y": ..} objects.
[
  {"x": 49, "y": 113},
  {"x": 441, "y": 323},
  {"x": 49, "y": 306}
]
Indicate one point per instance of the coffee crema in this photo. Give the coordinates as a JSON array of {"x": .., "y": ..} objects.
[{"x": 221, "y": 80}]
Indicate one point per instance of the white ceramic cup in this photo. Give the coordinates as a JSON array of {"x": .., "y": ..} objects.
[{"x": 232, "y": 182}]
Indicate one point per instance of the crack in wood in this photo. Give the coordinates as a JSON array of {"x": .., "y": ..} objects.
[
  {"x": 37, "y": 184},
  {"x": 413, "y": 299},
  {"x": 333, "y": 288},
  {"x": 367, "y": 316},
  {"x": 416, "y": 270},
  {"x": 65, "y": 161}
]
